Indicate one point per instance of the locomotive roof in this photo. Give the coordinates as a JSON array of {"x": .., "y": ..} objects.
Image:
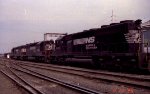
[
  {"x": 30, "y": 44},
  {"x": 59, "y": 38},
  {"x": 122, "y": 26},
  {"x": 19, "y": 47}
]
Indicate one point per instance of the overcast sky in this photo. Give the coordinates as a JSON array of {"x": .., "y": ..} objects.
[{"x": 25, "y": 21}]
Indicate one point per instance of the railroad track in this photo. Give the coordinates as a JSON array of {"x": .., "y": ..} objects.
[
  {"x": 58, "y": 81},
  {"x": 73, "y": 87},
  {"x": 46, "y": 67},
  {"x": 132, "y": 76},
  {"x": 20, "y": 82},
  {"x": 109, "y": 77}
]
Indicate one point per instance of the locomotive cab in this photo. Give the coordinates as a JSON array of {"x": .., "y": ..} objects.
[{"x": 47, "y": 47}]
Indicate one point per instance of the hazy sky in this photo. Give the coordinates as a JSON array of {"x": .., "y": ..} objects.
[{"x": 25, "y": 21}]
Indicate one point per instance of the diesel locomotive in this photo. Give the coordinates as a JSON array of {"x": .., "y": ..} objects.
[
  {"x": 38, "y": 51},
  {"x": 123, "y": 45}
]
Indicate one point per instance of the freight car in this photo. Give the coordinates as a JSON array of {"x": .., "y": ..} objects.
[
  {"x": 116, "y": 45},
  {"x": 38, "y": 51}
]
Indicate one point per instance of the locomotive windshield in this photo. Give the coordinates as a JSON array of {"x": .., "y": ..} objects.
[{"x": 146, "y": 39}]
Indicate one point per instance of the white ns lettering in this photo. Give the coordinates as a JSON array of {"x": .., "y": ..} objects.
[{"x": 84, "y": 40}]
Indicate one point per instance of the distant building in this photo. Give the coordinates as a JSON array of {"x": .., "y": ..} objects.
[{"x": 146, "y": 25}]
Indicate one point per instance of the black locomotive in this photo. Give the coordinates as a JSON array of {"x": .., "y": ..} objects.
[
  {"x": 38, "y": 51},
  {"x": 121, "y": 44}
]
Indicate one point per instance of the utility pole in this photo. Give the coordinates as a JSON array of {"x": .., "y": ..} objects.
[{"x": 113, "y": 17}]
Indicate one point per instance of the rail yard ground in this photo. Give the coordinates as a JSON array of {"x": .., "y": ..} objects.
[
  {"x": 23, "y": 77},
  {"x": 7, "y": 86}
]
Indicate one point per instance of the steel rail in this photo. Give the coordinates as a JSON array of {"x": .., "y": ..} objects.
[
  {"x": 24, "y": 84},
  {"x": 58, "y": 81},
  {"x": 108, "y": 80},
  {"x": 92, "y": 72}
]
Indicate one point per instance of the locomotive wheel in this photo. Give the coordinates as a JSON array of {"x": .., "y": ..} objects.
[
  {"x": 149, "y": 65},
  {"x": 53, "y": 60},
  {"x": 61, "y": 60},
  {"x": 46, "y": 60},
  {"x": 95, "y": 62}
]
